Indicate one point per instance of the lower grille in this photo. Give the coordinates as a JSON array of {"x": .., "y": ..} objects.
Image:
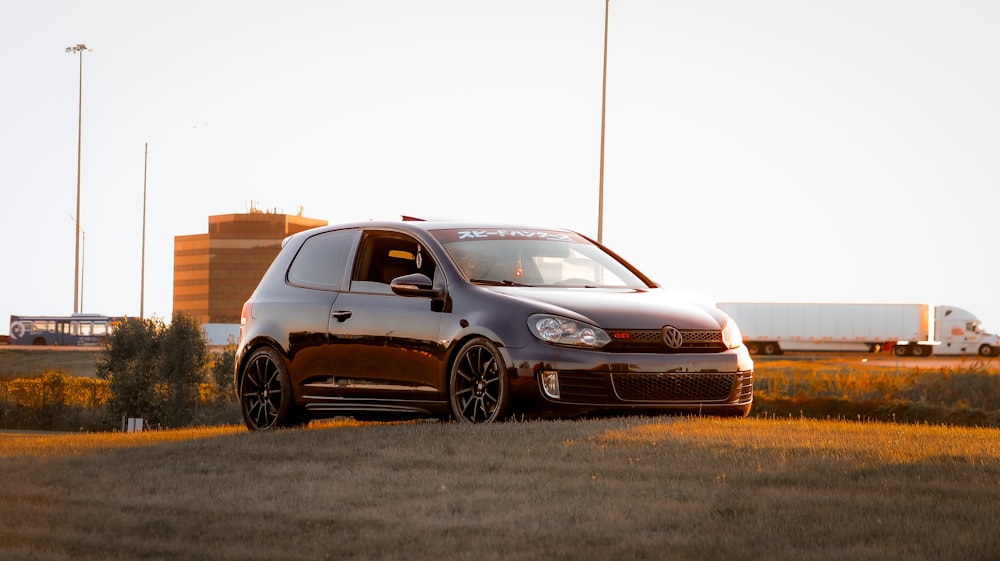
[
  {"x": 607, "y": 389},
  {"x": 674, "y": 386}
]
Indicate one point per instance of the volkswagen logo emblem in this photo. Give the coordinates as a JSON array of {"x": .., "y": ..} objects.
[{"x": 672, "y": 337}]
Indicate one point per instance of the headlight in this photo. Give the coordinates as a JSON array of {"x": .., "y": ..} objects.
[
  {"x": 563, "y": 331},
  {"x": 731, "y": 335}
]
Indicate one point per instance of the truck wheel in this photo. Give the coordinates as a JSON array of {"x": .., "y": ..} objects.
[
  {"x": 920, "y": 350},
  {"x": 754, "y": 348},
  {"x": 987, "y": 350},
  {"x": 771, "y": 349},
  {"x": 901, "y": 350}
]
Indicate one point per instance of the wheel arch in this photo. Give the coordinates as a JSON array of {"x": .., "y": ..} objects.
[
  {"x": 249, "y": 349},
  {"x": 464, "y": 337}
]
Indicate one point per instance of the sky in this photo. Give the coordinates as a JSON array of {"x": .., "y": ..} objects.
[{"x": 775, "y": 150}]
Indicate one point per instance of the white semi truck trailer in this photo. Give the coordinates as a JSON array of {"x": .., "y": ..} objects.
[{"x": 906, "y": 329}]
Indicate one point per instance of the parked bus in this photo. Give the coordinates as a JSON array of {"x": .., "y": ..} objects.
[{"x": 77, "y": 330}]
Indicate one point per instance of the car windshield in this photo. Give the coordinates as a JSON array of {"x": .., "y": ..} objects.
[{"x": 526, "y": 257}]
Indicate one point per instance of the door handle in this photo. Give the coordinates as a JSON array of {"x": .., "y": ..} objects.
[{"x": 340, "y": 315}]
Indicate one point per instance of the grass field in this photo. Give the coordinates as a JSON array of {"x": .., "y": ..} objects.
[
  {"x": 29, "y": 361},
  {"x": 839, "y": 460},
  {"x": 631, "y": 488},
  {"x": 964, "y": 393},
  {"x": 961, "y": 392}
]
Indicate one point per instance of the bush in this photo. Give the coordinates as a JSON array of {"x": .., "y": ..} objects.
[
  {"x": 129, "y": 362},
  {"x": 54, "y": 400},
  {"x": 221, "y": 406},
  {"x": 161, "y": 373}
]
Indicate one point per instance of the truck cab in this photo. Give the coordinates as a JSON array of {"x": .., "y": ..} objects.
[{"x": 960, "y": 332}]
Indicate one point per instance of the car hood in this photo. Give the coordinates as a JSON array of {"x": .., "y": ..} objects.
[{"x": 620, "y": 308}]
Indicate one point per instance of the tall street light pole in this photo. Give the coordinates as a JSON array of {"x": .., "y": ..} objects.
[
  {"x": 79, "y": 136},
  {"x": 604, "y": 100},
  {"x": 142, "y": 274}
]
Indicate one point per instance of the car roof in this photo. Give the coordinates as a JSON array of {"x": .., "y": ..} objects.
[
  {"x": 416, "y": 224},
  {"x": 408, "y": 223}
]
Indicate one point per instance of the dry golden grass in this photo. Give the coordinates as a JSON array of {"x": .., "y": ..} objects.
[
  {"x": 966, "y": 393},
  {"x": 629, "y": 488},
  {"x": 18, "y": 361},
  {"x": 43, "y": 444}
]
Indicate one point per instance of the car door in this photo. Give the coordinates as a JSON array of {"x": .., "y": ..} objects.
[
  {"x": 315, "y": 279},
  {"x": 383, "y": 345}
]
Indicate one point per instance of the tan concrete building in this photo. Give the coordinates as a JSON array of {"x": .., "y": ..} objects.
[{"x": 215, "y": 273}]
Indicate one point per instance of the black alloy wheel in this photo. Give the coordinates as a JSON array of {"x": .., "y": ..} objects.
[
  {"x": 478, "y": 387},
  {"x": 265, "y": 391}
]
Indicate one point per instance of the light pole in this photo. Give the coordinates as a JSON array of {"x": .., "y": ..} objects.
[
  {"x": 604, "y": 99},
  {"x": 142, "y": 274},
  {"x": 79, "y": 136},
  {"x": 83, "y": 264}
]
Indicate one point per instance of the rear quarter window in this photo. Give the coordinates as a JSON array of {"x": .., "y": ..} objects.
[{"x": 322, "y": 261}]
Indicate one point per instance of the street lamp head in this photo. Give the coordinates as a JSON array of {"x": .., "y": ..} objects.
[{"x": 77, "y": 48}]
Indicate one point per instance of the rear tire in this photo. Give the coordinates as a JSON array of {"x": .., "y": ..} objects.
[
  {"x": 771, "y": 348},
  {"x": 266, "y": 399}
]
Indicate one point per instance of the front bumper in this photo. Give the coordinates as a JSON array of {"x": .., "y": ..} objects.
[{"x": 711, "y": 383}]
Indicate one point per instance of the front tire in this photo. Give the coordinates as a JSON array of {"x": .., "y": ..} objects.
[
  {"x": 478, "y": 388},
  {"x": 266, "y": 399},
  {"x": 987, "y": 351}
]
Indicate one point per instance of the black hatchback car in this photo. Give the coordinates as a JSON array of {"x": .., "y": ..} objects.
[{"x": 475, "y": 322}]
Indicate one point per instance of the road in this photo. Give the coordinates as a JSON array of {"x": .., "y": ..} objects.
[{"x": 885, "y": 360}]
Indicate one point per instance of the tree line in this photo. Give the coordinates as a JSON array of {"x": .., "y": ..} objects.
[{"x": 166, "y": 375}]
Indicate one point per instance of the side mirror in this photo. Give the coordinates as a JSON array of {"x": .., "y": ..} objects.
[{"x": 416, "y": 284}]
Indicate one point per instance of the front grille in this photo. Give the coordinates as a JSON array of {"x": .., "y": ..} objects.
[
  {"x": 674, "y": 386},
  {"x": 651, "y": 341}
]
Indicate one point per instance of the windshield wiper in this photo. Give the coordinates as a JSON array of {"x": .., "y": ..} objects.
[{"x": 491, "y": 282}]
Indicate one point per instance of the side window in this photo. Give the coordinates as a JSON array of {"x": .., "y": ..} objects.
[
  {"x": 322, "y": 260},
  {"x": 384, "y": 256}
]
